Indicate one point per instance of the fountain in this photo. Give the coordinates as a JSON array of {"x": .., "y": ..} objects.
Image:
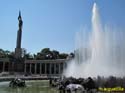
[{"x": 101, "y": 54}]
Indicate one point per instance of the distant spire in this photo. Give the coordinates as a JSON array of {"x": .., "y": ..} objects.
[{"x": 19, "y": 17}]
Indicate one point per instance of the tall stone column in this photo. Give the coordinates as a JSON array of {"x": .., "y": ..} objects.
[{"x": 18, "y": 50}]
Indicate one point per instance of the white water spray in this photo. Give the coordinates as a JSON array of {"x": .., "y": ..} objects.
[{"x": 104, "y": 54}]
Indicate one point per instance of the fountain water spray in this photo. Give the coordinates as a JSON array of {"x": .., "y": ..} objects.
[{"x": 102, "y": 55}]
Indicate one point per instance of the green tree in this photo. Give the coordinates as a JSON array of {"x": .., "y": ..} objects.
[
  {"x": 11, "y": 56},
  {"x": 40, "y": 56},
  {"x": 4, "y": 53},
  {"x": 63, "y": 56},
  {"x": 55, "y": 54},
  {"x": 46, "y": 51},
  {"x": 28, "y": 56}
]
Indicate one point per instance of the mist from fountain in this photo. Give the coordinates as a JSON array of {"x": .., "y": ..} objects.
[{"x": 102, "y": 53}]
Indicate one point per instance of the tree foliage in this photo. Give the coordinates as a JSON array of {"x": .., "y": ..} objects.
[
  {"x": 4, "y": 53},
  {"x": 44, "y": 54}
]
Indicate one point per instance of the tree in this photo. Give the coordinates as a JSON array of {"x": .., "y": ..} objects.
[
  {"x": 40, "y": 56},
  {"x": 63, "y": 56},
  {"x": 4, "y": 53},
  {"x": 11, "y": 56},
  {"x": 46, "y": 51},
  {"x": 55, "y": 54},
  {"x": 28, "y": 56}
]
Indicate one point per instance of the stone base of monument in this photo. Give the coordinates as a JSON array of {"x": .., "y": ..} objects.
[{"x": 16, "y": 67}]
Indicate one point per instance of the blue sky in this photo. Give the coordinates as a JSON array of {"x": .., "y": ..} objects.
[{"x": 53, "y": 23}]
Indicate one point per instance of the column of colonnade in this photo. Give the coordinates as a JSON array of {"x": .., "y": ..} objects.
[
  {"x": 57, "y": 70},
  {"x": 35, "y": 67},
  {"x": 40, "y": 68},
  {"x": 54, "y": 68},
  {"x": 25, "y": 68},
  {"x": 3, "y": 66},
  {"x": 50, "y": 68},
  {"x": 30, "y": 67}
]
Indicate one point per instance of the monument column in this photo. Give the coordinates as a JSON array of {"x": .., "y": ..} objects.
[{"x": 18, "y": 50}]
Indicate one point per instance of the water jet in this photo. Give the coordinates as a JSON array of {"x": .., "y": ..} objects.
[{"x": 104, "y": 54}]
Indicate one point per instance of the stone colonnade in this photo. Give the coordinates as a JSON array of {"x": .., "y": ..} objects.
[{"x": 44, "y": 67}]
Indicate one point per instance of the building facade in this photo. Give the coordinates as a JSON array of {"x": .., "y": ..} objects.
[{"x": 36, "y": 67}]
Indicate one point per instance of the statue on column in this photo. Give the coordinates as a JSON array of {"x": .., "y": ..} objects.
[{"x": 20, "y": 20}]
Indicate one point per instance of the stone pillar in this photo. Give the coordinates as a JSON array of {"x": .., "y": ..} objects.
[
  {"x": 13, "y": 69},
  {"x": 25, "y": 68},
  {"x": 59, "y": 68},
  {"x": 18, "y": 50},
  {"x": 54, "y": 68},
  {"x": 35, "y": 68},
  {"x": 3, "y": 66},
  {"x": 45, "y": 69},
  {"x": 50, "y": 69},
  {"x": 40, "y": 68},
  {"x": 30, "y": 68}
]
